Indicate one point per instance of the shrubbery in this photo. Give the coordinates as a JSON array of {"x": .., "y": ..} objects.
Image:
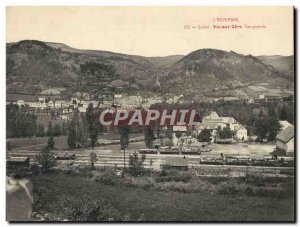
[
  {"x": 173, "y": 180},
  {"x": 172, "y": 175},
  {"x": 46, "y": 159},
  {"x": 109, "y": 178},
  {"x": 89, "y": 209},
  {"x": 136, "y": 164}
]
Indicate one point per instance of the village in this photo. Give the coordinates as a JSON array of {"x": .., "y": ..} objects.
[
  {"x": 133, "y": 114},
  {"x": 212, "y": 139},
  {"x": 212, "y": 158}
]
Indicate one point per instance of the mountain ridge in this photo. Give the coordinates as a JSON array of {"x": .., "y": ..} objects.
[{"x": 48, "y": 64}]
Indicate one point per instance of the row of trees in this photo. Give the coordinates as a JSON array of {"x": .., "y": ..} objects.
[
  {"x": 56, "y": 130},
  {"x": 19, "y": 123},
  {"x": 205, "y": 135},
  {"x": 240, "y": 110},
  {"x": 83, "y": 129}
]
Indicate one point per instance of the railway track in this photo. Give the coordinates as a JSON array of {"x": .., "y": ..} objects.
[{"x": 107, "y": 158}]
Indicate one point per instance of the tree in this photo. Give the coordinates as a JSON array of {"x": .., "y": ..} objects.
[
  {"x": 93, "y": 159},
  {"x": 57, "y": 130},
  {"x": 282, "y": 114},
  {"x": 40, "y": 130},
  {"x": 19, "y": 122},
  {"x": 168, "y": 142},
  {"x": 93, "y": 136},
  {"x": 149, "y": 136},
  {"x": 64, "y": 128},
  {"x": 124, "y": 140},
  {"x": 136, "y": 164},
  {"x": 178, "y": 134},
  {"x": 226, "y": 133},
  {"x": 72, "y": 135},
  {"x": 272, "y": 112},
  {"x": 92, "y": 125},
  {"x": 261, "y": 113},
  {"x": 188, "y": 132},
  {"x": 204, "y": 136},
  {"x": 82, "y": 133},
  {"x": 46, "y": 159},
  {"x": 169, "y": 132},
  {"x": 266, "y": 128},
  {"x": 124, "y": 136},
  {"x": 49, "y": 130},
  {"x": 190, "y": 142},
  {"x": 51, "y": 142}
]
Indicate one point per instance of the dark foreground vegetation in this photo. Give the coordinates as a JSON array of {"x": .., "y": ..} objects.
[{"x": 85, "y": 195}]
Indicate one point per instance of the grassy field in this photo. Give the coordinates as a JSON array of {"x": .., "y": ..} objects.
[
  {"x": 61, "y": 142},
  {"x": 150, "y": 205},
  {"x": 36, "y": 143}
]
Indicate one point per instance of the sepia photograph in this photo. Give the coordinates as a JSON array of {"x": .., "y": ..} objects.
[{"x": 150, "y": 114}]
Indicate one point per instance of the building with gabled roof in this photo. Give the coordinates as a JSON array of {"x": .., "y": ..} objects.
[
  {"x": 240, "y": 132},
  {"x": 284, "y": 125},
  {"x": 285, "y": 140}
]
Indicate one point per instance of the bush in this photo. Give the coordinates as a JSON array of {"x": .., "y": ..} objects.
[
  {"x": 198, "y": 186},
  {"x": 89, "y": 209},
  {"x": 18, "y": 173},
  {"x": 176, "y": 178},
  {"x": 173, "y": 175},
  {"x": 228, "y": 188},
  {"x": 35, "y": 169},
  {"x": 46, "y": 159},
  {"x": 143, "y": 183},
  {"x": 169, "y": 143},
  {"x": 109, "y": 178},
  {"x": 136, "y": 164}
]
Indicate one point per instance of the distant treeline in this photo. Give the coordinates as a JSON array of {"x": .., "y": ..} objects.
[{"x": 19, "y": 123}]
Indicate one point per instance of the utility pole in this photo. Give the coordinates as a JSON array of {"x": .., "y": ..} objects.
[{"x": 124, "y": 141}]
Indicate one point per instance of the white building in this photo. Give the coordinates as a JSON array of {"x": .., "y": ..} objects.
[
  {"x": 284, "y": 125},
  {"x": 32, "y": 104},
  {"x": 213, "y": 118},
  {"x": 178, "y": 129},
  {"x": 82, "y": 109},
  {"x": 42, "y": 103},
  {"x": 240, "y": 132},
  {"x": 118, "y": 96},
  {"x": 51, "y": 104},
  {"x": 20, "y": 102},
  {"x": 58, "y": 103},
  {"x": 213, "y": 121},
  {"x": 285, "y": 141}
]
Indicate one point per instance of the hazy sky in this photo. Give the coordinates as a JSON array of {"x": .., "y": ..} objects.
[{"x": 155, "y": 31}]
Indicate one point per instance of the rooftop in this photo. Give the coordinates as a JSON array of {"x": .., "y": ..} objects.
[
  {"x": 18, "y": 159},
  {"x": 286, "y": 135}
]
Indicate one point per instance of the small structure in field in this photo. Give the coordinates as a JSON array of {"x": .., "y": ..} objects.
[
  {"x": 18, "y": 162},
  {"x": 180, "y": 163}
]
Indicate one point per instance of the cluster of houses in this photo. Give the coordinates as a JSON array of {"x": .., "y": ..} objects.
[
  {"x": 81, "y": 101},
  {"x": 213, "y": 122},
  {"x": 285, "y": 142}
]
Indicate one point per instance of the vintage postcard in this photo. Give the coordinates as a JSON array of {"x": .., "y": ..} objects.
[{"x": 150, "y": 114}]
